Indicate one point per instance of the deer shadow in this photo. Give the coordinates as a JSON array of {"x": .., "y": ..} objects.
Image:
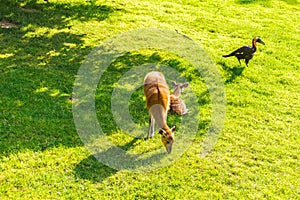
[{"x": 93, "y": 169}]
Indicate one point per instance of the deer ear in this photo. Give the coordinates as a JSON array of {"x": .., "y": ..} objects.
[
  {"x": 173, "y": 128},
  {"x": 174, "y": 83},
  {"x": 185, "y": 84}
]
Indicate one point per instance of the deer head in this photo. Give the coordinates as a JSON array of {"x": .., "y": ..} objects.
[
  {"x": 167, "y": 137},
  {"x": 179, "y": 87}
]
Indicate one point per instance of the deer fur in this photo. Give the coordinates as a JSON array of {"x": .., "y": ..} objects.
[
  {"x": 177, "y": 105},
  {"x": 157, "y": 95}
]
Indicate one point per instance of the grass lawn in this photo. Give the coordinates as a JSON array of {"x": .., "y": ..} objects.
[{"x": 42, "y": 46}]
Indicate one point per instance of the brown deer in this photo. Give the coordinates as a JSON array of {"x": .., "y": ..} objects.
[
  {"x": 157, "y": 95},
  {"x": 177, "y": 105}
]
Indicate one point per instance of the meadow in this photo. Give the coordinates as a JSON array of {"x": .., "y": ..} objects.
[{"x": 44, "y": 44}]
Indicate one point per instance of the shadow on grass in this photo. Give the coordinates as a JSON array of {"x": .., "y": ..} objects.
[
  {"x": 129, "y": 161},
  {"x": 231, "y": 72},
  {"x": 55, "y": 14},
  {"x": 91, "y": 169},
  {"x": 251, "y": 1},
  {"x": 265, "y": 1},
  {"x": 37, "y": 74}
]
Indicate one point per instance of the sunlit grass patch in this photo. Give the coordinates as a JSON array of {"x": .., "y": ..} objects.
[{"x": 43, "y": 157}]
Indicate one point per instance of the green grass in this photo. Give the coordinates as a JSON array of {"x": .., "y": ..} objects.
[{"x": 257, "y": 154}]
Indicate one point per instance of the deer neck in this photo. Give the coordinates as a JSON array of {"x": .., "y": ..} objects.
[
  {"x": 160, "y": 115},
  {"x": 177, "y": 91}
]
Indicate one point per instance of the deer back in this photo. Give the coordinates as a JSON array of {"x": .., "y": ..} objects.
[{"x": 156, "y": 90}]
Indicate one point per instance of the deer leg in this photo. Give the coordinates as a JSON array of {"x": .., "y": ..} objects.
[{"x": 151, "y": 127}]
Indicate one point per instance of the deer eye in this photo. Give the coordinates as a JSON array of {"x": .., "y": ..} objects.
[{"x": 168, "y": 142}]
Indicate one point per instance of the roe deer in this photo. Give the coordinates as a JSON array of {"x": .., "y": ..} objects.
[
  {"x": 157, "y": 95},
  {"x": 177, "y": 105}
]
